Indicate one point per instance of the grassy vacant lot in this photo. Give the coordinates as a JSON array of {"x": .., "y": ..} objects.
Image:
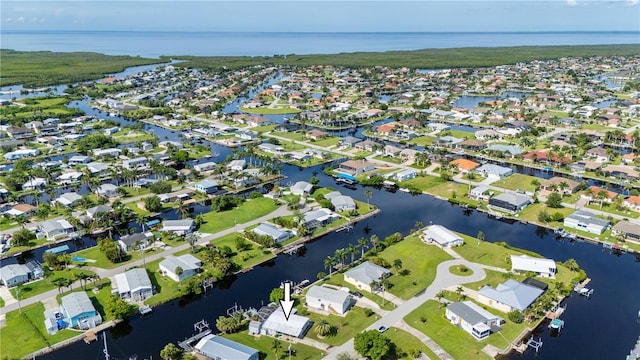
[
  {"x": 101, "y": 261},
  {"x": 346, "y": 327},
  {"x": 327, "y": 142},
  {"x": 423, "y": 140},
  {"x": 44, "y": 285},
  {"x": 485, "y": 252},
  {"x": 407, "y": 343},
  {"x": 419, "y": 260},
  {"x": 517, "y": 182},
  {"x": 245, "y": 259},
  {"x": 42, "y": 68},
  {"x": 338, "y": 280},
  {"x": 423, "y": 183},
  {"x": 263, "y": 345},
  {"x": 420, "y": 59},
  {"x": 298, "y": 136},
  {"x": 249, "y": 210},
  {"x": 530, "y": 213},
  {"x": 448, "y": 190},
  {"x": 25, "y": 332}
]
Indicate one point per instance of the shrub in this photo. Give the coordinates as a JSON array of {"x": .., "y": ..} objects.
[{"x": 515, "y": 316}]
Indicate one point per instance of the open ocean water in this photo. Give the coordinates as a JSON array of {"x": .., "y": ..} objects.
[{"x": 156, "y": 43}]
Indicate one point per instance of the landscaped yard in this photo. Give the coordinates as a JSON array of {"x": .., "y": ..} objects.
[
  {"x": 448, "y": 190},
  {"x": 247, "y": 211},
  {"x": 419, "y": 260},
  {"x": 422, "y": 183},
  {"x": 485, "y": 252},
  {"x": 43, "y": 285},
  {"x": 530, "y": 213},
  {"x": 408, "y": 343},
  {"x": 25, "y": 332},
  {"x": 517, "y": 182},
  {"x": 101, "y": 261},
  {"x": 347, "y": 327},
  {"x": 166, "y": 289},
  {"x": 263, "y": 345},
  {"x": 337, "y": 279},
  {"x": 245, "y": 259}
]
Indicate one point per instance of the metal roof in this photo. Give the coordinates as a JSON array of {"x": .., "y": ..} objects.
[
  {"x": 133, "y": 280},
  {"x": 77, "y": 303},
  {"x": 512, "y": 293},
  {"x": 217, "y": 347}
]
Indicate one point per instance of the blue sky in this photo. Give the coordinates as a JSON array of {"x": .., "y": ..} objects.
[{"x": 323, "y": 16}]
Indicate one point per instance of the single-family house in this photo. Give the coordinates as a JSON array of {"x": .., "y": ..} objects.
[
  {"x": 510, "y": 201},
  {"x": 69, "y": 177},
  {"x": 207, "y": 186},
  {"x": 79, "y": 159},
  {"x": 219, "y": 348},
  {"x": 112, "y": 152},
  {"x": 181, "y": 267},
  {"x": 598, "y": 154},
  {"x": 442, "y": 236},
  {"x": 494, "y": 171},
  {"x": 368, "y": 145},
  {"x": 562, "y": 185},
  {"x": 69, "y": 199},
  {"x": 107, "y": 190},
  {"x": 595, "y": 191},
  {"x": 340, "y": 202},
  {"x": 472, "y": 145},
  {"x": 34, "y": 184},
  {"x": 316, "y": 134},
  {"x": 480, "y": 192},
  {"x": 541, "y": 266},
  {"x": 97, "y": 168},
  {"x": 135, "y": 163},
  {"x": 632, "y": 202},
  {"x": 14, "y": 274},
  {"x": 21, "y": 209},
  {"x": 627, "y": 230},
  {"x": 133, "y": 285},
  {"x": 356, "y": 167},
  {"x": 586, "y": 221},
  {"x": 206, "y": 166},
  {"x": 508, "y": 296},
  {"x": 20, "y": 154},
  {"x": 134, "y": 241},
  {"x": 92, "y": 212},
  {"x": 179, "y": 227},
  {"x": 363, "y": 275},
  {"x": 78, "y": 311},
  {"x": 277, "y": 324},
  {"x": 271, "y": 148},
  {"x": 464, "y": 165},
  {"x": 277, "y": 234},
  {"x": 237, "y": 165},
  {"x": 56, "y": 229},
  {"x": 406, "y": 174},
  {"x": 319, "y": 218},
  {"x": 301, "y": 188},
  {"x": 349, "y": 141},
  {"x": 473, "y": 319},
  {"x": 330, "y": 300}
]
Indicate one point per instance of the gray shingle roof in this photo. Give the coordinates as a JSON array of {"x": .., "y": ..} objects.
[
  {"x": 512, "y": 293},
  {"x": 367, "y": 272}
]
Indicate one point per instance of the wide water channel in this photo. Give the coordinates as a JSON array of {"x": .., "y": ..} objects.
[{"x": 603, "y": 327}]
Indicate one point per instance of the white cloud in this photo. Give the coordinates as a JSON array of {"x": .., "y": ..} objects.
[
  {"x": 572, "y": 2},
  {"x": 9, "y": 19},
  {"x": 20, "y": 19},
  {"x": 632, "y": 2}
]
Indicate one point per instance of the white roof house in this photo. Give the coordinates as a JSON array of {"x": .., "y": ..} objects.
[
  {"x": 14, "y": 274},
  {"x": 327, "y": 299},
  {"x": 69, "y": 199},
  {"x": 542, "y": 267},
  {"x": 441, "y": 236},
  {"x": 54, "y": 229},
  {"x": 405, "y": 174},
  {"x": 277, "y": 323},
  {"x": 97, "y": 167},
  {"x": 473, "y": 319},
  {"x": 494, "y": 171},
  {"x": 187, "y": 262},
  {"x": 180, "y": 227},
  {"x": 206, "y": 166},
  {"x": 277, "y": 234},
  {"x": 237, "y": 165},
  {"x": 134, "y": 284},
  {"x": 69, "y": 177},
  {"x": 364, "y": 274},
  {"x": 36, "y": 183},
  {"x": 586, "y": 221},
  {"x": 219, "y": 348},
  {"x": 340, "y": 202},
  {"x": 107, "y": 190},
  {"x": 509, "y": 295},
  {"x": 301, "y": 188},
  {"x": 319, "y": 218}
]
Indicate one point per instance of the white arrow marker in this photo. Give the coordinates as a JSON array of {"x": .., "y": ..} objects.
[{"x": 287, "y": 303}]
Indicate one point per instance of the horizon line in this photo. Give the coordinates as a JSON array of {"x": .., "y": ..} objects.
[{"x": 332, "y": 32}]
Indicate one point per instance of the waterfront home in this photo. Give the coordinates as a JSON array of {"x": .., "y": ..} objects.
[
  {"x": 271, "y": 148},
  {"x": 135, "y": 163},
  {"x": 447, "y": 141},
  {"x": 179, "y": 227},
  {"x": 319, "y": 218},
  {"x": 512, "y": 150},
  {"x": 206, "y": 166},
  {"x": 299, "y": 156},
  {"x": 441, "y": 236},
  {"x": 349, "y": 141},
  {"x": 508, "y": 296},
  {"x": 181, "y": 267},
  {"x": 69, "y": 177},
  {"x": 316, "y": 134},
  {"x": 207, "y": 186},
  {"x": 33, "y": 184},
  {"x": 237, "y": 165},
  {"x": 473, "y": 319},
  {"x": 494, "y": 171},
  {"x": 540, "y": 266},
  {"x": 266, "y": 229},
  {"x": 355, "y": 167},
  {"x": 301, "y": 188},
  {"x": 555, "y": 184},
  {"x": 134, "y": 241},
  {"x": 16, "y": 274},
  {"x": 21, "y": 154},
  {"x": 626, "y": 230},
  {"x": 20, "y": 133},
  {"x": 277, "y": 324},
  {"x": 219, "y": 348},
  {"x": 78, "y": 311},
  {"x": 363, "y": 275},
  {"x": 632, "y": 202},
  {"x": 340, "y": 202},
  {"x": 487, "y": 134},
  {"x": 133, "y": 285},
  {"x": 390, "y": 150},
  {"x": 368, "y": 145},
  {"x": 112, "y": 152},
  {"x": 510, "y": 201},
  {"x": 607, "y": 196},
  {"x": 599, "y": 154},
  {"x": 69, "y": 199},
  {"x": 91, "y": 213},
  {"x": 464, "y": 165},
  {"x": 327, "y": 299},
  {"x": 480, "y": 193},
  {"x": 107, "y": 190},
  {"x": 586, "y": 221},
  {"x": 405, "y": 174},
  {"x": 471, "y": 145},
  {"x": 98, "y": 169},
  {"x": 621, "y": 172},
  {"x": 56, "y": 229},
  {"x": 21, "y": 209},
  {"x": 79, "y": 159}
]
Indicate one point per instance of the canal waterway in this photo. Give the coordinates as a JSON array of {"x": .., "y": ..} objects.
[{"x": 604, "y": 326}]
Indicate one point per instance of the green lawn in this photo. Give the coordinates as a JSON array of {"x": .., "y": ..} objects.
[
  {"x": 45, "y": 284},
  {"x": 327, "y": 142},
  {"x": 419, "y": 259},
  {"x": 337, "y": 278},
  {"x": 530, "y": 213},
  {"x": 249, "y": 210},
  {"x": 595, "y": 205},
  {"x": 486, "y": 253},
  {"x": 517, "y": 182},
  {"x": 245, "y": 259},
  {"x": 263, "y": 345},
  {"x": 101, "y": 261},
  {"x": 1, "y": 302},
  {"x": 493, "y": 278},
  {"x": 298, "y": 136},
  {"x": 423, "y": 140},
  {"x": 166, "y": 288},
  {"x": 407, "y": 343},
  {"x": 448, "y": 190},
  {"x": 422, "y": 183},
  {"x": 264, "y": 129},
  {"x": 270, "y": 111},
  {"x": 458, "y": 134},
  {"x": 25, "y": 332},
  {"x": 346, "y": 327},
  {"x": 460, "y": 270}
]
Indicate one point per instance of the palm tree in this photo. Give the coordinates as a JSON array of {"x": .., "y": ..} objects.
[
  {"x": 397, "y": 264},
  {"x": 563, "y": 186},
  {"x": 322, "y": 328},
  {"x": 362, "y": 243},
  {"x": 329, "y": 262},
  {"x": 141, "y": 220},
  {"x": 182, "y": 208},
  {"x": 440, "y": 296},
  {"x": 352, "y": 250},
  {"x": 368, "y": 194},
  {"x": 341, "y": 254},
  {"x": 459, "y": 291},
  {"x": 276, "y": 346},
  {"x": 589, "y": 193},
  {"x": 374, "y": 240},
  {"x": 601, "y": 196}
]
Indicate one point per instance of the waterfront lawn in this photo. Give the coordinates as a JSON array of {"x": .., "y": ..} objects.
[
  {"x": 263, "y": 343},
  {"x": 264, "y": 128},
  {"x": 423, "y": 140},
  {"x": 101, "y": 261},
  {"x": 530, "y": 213},
  {"x": 45, "y": 284},
  {"x": 25, "y": 333},
  {"x": 337, "y": 279},
  {"x": 345, "y": 328},
  {"x": 493, "y": 278},
  {"x": 419, "y": 260},
  {"x": 486, "y": 253},
  {"x": 448, "y": 189},
  {"x": 406, "y": 343},
  {"x": 422, "y": 183},
  {"x": 327, "y": 142},
  {"x": 245, "y": 259},
  {"x": 291, "y": 135},
  {"x": 247, "y": 211},
  {"x": 388, "y": 158},
  {"x": 517, "y": 182},
  {"x": 457, "y": 342},
  {"x": 32, "y": 244},
  {"x": 166, "y": 289}
]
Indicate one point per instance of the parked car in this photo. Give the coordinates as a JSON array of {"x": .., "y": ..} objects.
[
  {"x": 382, "y": 329},
  {"x": 357, "y": 294}
]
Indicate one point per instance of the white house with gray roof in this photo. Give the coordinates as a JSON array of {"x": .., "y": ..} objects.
[
  {"x": 97, "y": 168},
  {"x": 327, "y": 299},
  {"x": 512, "y": 150},
  {"x": 133, "y": 285},
  {"x": 340, "y": 202},
  {"x": 510, "y": 201},
  {"x": 508, "y": 296},
  {"x": 187, "y": 262},
  {"x": 78, "y": 311},
  {"x": 586, "y": 221},
  {"x": 16, "y": 274},
  {"x": 219, "y": 348},
  {"x": 318, "y": 218},
  {"x": 364, "y": 274},
  {"x": 179, "y": 227},
  {"x": 540, "y": 266},
  {"x": 301, "y": 188},
  {"x": 107, "y": 190},
  {"x": 267, "y": 229},
  {"x": 442, "y": 236},
  {"x": 55, "y": 229},
  {"x": 473, "y": 319},
  {"x": 493, "y": 171}
]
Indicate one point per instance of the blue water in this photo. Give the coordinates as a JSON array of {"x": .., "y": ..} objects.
[{"x": 156, "y": 43}]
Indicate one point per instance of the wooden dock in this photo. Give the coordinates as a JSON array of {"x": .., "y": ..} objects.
[{"x": 82, "y": 336}]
